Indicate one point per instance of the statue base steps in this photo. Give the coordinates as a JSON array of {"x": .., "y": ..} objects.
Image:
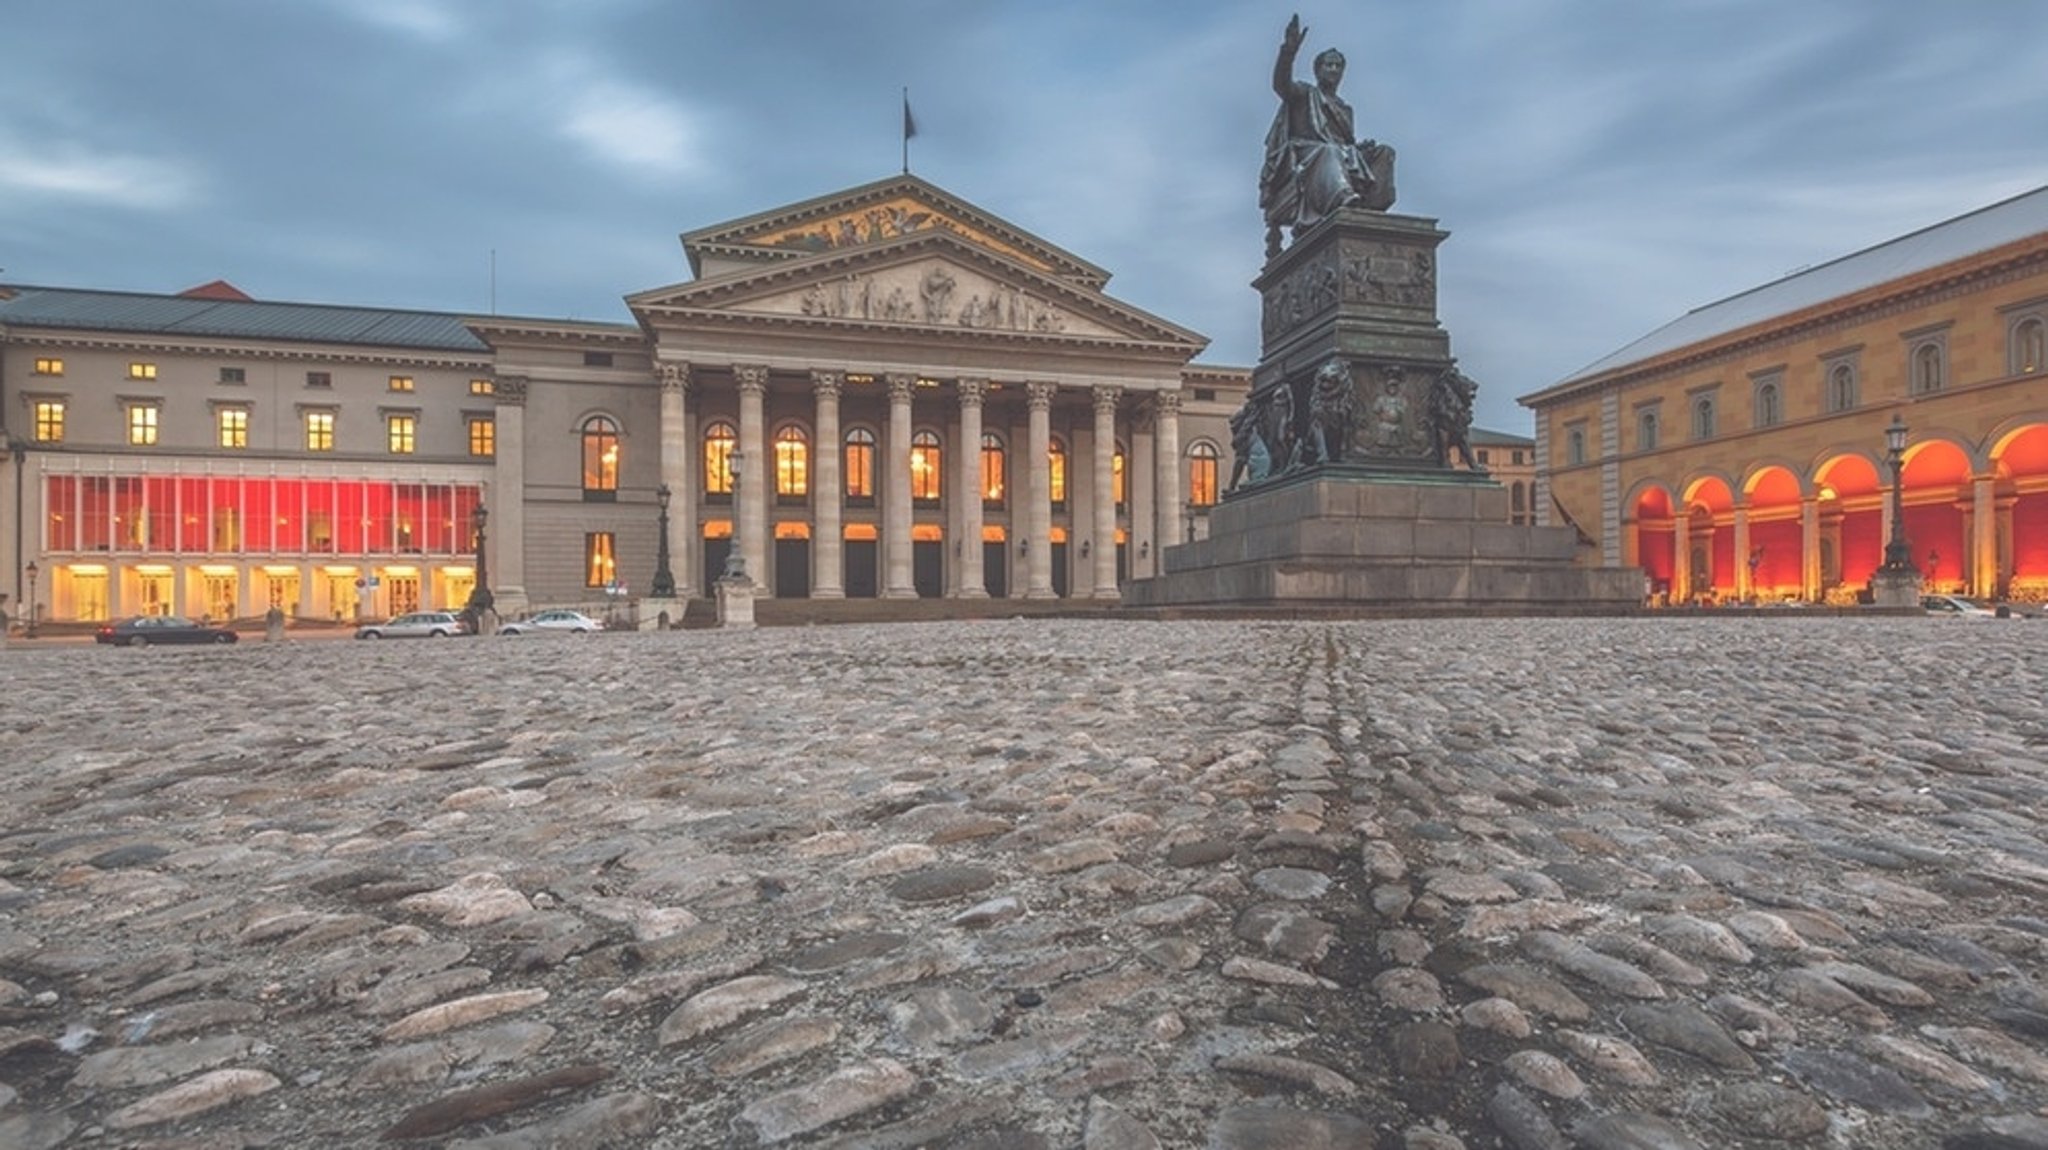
[{"x": 1346, "y": 537}]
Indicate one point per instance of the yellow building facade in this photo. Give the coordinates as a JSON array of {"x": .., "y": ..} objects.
[{"x": 1739, "y": 452}]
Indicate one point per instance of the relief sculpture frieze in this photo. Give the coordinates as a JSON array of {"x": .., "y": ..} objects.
[
  {"x": 1303, "y": 294},
  {"x": 937, "y": 296},
  {"x": 1390, "y": 276}
]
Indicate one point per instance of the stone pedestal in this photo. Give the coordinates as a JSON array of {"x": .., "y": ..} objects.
[
  {"x": 273, "y": 626},
  {"x": 1351, "y": 539},
  {"x": 654, "y": 612},
  {"x": 735, "y": 602},
  {"x": 1900, "y": 588}
]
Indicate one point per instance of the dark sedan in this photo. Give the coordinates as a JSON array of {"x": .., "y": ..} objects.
[{"x": 152, "y": 630}]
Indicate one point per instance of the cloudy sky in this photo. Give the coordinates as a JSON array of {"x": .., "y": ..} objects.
[{"x": 1603, "y": 165}]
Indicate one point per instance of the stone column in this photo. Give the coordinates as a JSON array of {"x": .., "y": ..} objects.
[
  {"x": 1103, "y": 522},
  {"x": 973, "y": 581},
  {"x": 1809, "y": 549},
  {"x": 1168, "y": 508},
  {"x": 1037, "y": 539},
  {"x": 1141, "y": 472},
  {"x": 1681, "y": 558},
  {"x": 827, "y": 494},
  {"x": 756, "y": 466},
  {"x": 1983, "y": 558},
  {"x": 1743, "y": 590},
  {"x": 506, "y": 498},
  {"x": 676, "y": 472},
  {"x": 897, "y": 580}
]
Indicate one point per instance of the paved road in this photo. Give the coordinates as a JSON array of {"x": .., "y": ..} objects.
[{"x": 1618, "y": 884}]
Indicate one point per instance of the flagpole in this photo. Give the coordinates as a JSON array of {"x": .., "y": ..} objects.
[{"x": 906, "y": 131}]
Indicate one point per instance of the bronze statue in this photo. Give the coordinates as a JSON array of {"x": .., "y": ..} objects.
[
  {"x": 1313, "y": 166},
  {"x": 1450, "y": 415},
  {"x": 1332, "y": 412}
]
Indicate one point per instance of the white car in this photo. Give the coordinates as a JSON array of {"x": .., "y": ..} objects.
[
  {"x": 1956, "y": 605},
  {"x": 553, "y": 623},
  {"x": 416, "y": 625}
]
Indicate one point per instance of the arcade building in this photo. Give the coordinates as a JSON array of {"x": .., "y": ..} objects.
[{"x": 1739, "y": 452}]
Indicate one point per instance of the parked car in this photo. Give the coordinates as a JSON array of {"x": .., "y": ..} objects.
[
  {"x": 556, "y": 622},
  {"x": 151, "y": 630},
  {"x": 416, "y": 625},
  {"x": 1956, "y": 605}
]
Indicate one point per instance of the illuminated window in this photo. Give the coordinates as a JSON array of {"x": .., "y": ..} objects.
[
  {"x": 401, "y": 383},
  {"x": 600, "y": 564},
  {"x": 1202, "y": 474},
  {"x": 483, "y": 387},
  {"x": 1929, "y": 367},
  {"x": 719, "y": 442},
  {"x": 860, "y": 466},
  {"x": 792, "y": 465},
  {"x": 400, "y": 431},
  {"x": 1116, "y": 476},
  {"x": 142, "y": 424},
  {"x": 600, "y": 459},
  {"x": 991, "y": 470},
  {"x": 924, "y": 468},
  {"x": 1056, "y": 473},
  {"x": 2029, "y": 345},
  {"x": 319, "y": 431},
  {"x": 49, "y": 421},
  {"x": 141, "y": 371},
  {"x": 233, "y": 425},
  {"x": 483, "y": 435},
  {"x": 49, "y": 367}
]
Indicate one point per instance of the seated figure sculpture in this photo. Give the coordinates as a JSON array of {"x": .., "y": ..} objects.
[{"x": 1313, "y": 165}]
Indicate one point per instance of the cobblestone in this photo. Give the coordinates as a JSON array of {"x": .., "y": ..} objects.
[{"x": 1749, "y": 884}]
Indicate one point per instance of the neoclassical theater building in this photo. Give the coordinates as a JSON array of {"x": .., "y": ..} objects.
[
  {"x": 1739, "y": 452},
  {"x": 884, "y": 392}
]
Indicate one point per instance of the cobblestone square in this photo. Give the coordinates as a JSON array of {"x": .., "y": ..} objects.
[{"x": 1423, "y": 884}]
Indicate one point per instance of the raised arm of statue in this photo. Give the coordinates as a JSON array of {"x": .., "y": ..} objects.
[{"x": 1290, "y": 47}]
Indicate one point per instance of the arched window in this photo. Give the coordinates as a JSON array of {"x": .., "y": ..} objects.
[
  {"x": 1056, "y": 473},
  {"x": 1927, "y": 368},
  {"x": 1646, "y": 431},
  {"x": 2029, "y": 345},
  {"x": 600, "y": 459},
  {"x": 792, "y": 465},
  {"x": 1575, "y": 446},
  {"x": 992, "y": 482},
  {"x": 1769, "y": 407},
  {"x": 719, "y": 441},
  {"x": 1703, "y": 417},
  {"x": 1841, "y": 387},
  {"x": 925, "y": 465},
  {"x": 860, "y": 467},
  {"x": 1202, "y": 474},
  {"x": 1117, "y": 485}
]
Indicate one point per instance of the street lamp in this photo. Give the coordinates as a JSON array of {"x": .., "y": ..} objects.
[
  {"x": 480, "y": 595},
  {"x": 735, "y": 559},
  {"x": 28, "y": 630},
  {"x": 664, "y": 585},
  {"x": 1898, "y": 553}
]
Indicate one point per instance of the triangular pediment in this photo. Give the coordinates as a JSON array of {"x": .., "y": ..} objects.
[
  {"x": 874, "y": 213},
  {"x": 933, "y": 279}
]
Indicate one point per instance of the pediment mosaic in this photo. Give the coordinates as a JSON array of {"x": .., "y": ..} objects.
[{"x": 901, "y": 216}]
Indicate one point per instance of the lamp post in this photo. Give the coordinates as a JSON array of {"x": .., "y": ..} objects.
[
  {"x": 28, "y": 630},
  {"x": 480, "y": 596},
  {"x": 735, "y": 559},
  {"x": 664, "y": 585},
  {"x": 1898, "y": 553}
]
